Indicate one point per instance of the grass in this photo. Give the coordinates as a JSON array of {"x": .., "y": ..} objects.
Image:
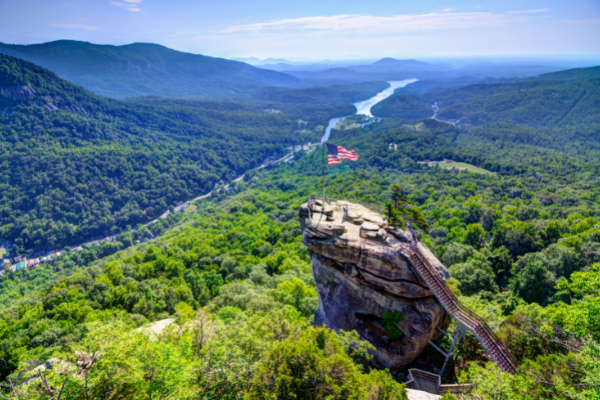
[
  {"x": 2, "y": 251},
  {"x": 191, "y": 208},
  {"x": 466, "y": 167}
]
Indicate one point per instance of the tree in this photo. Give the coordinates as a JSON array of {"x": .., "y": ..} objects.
[
  {"x": 474, "y": 235},
  {"x": 534, "y": 283},
  {"x": 402, "y": 210},
  {"x": 390, "y": 321},
  {"x": 474, "y": 276},
  {"x": 317, "y": 366}
]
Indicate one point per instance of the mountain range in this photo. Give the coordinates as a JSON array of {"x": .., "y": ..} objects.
[
  {"x": 388, "y": 69},
  {"x": 146, "y": 69},
  {"x": 142, "y": 69}
]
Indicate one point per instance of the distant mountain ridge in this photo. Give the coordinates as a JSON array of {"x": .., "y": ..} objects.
[
  {"x": 258, "y": 61},
  {"x": 388, "y": 68},
  {"x": 389, "y": 64},
  {"x": 142, "y": 69}
]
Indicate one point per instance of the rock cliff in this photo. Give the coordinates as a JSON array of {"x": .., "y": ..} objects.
[{"x": 362, "y": 277}]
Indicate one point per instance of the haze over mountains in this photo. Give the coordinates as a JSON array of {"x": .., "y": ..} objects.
[{"x": 146, "y": 69}]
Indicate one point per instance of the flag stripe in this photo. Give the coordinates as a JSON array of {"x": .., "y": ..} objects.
[{"x": 337, "y": 154}]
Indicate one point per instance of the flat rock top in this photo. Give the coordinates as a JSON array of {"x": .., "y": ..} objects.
[
  {"x": 357, "y": 216},
  {"x": 344, "y": 220},
  {"x": 370, "y": 226}
]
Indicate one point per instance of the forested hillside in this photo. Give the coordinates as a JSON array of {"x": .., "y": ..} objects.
[
  {"x": 76, "y": 165},
  {"x": 145, "y": 69},
  {"x": 559, "y": 99},
  {"x": 522, "y": 248},
  {"x": 521, "y": 238}
]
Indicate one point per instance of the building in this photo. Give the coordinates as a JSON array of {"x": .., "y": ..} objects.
[
  {"x": 20, "y": 266},
  {"x": 181, "y": 208},
  {"x": 4, "y": 264},
  {"x": 32, "y": 263}
]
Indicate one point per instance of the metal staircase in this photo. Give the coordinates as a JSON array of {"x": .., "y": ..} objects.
[{"x": 473, "y": 322}]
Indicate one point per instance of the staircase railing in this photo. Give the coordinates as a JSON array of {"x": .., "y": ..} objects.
[
  {"x": 473, "y": 322},
  {"x": 477, "y": 325}
]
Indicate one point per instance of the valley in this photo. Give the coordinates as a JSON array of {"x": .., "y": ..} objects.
[{"x": 179, "y": 197}]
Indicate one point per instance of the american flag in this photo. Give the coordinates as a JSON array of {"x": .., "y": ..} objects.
[{"x": 337, "y": 154}]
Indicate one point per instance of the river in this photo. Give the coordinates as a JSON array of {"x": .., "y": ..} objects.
[{"x": 364, "y": 107}]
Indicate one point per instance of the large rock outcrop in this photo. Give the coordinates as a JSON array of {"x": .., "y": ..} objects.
[{"x": 361, "y": 273}]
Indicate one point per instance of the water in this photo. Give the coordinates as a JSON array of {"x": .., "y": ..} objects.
[
  {"x": 364, "y": 107},
  {"x": 332, "y": 123}
]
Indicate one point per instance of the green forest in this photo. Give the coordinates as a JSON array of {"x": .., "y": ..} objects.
[
  {"x": 75, "y": 165},
  {"x": 232, "y": 277}
]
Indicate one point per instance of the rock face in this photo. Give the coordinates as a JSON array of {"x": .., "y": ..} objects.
[
  {"x": 17, "y": 92},
  {"x": 361, "y": 273}
]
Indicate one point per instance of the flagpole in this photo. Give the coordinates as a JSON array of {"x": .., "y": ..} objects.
[{"x": 324, "y": 175}]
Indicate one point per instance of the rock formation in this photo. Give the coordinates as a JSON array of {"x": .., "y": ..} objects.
[
  {"x": 361, "y": 273},
  {"x": 17, "y": 93}
]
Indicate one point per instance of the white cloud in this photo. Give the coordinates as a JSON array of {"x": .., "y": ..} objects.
[
  {"x": 535, "y": 11},
  {"x": 363, "y": 24},
  {"x": 76, "y": 26},
  {"x": 129, "y": 5}
]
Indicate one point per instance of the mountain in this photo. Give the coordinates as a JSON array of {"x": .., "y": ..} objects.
[
  {"x": 261, "y": 62},
  {"x": 573, "y": 73},
  {"x": 565, "y": 98},
  {"x": 233, "y": 280},
  {"x": 77, "y": 165},
  {"x": 142, "y": 69},
  {"x": 285, "y": 67},
  {"x": 393, "y": 65},
  {"x": 386, "y": 69},
  {"x": 337, "y": 75}
]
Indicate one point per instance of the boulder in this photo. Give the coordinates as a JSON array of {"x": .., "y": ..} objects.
[{"x": 363, "y": 276}]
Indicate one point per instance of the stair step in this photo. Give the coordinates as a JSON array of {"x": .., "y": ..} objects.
[{"x": 485, "y": 336}]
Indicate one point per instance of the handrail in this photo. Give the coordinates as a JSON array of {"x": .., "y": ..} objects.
[
  {"x": 477, "y": 325},
  {"x": 313, "y": 197}
]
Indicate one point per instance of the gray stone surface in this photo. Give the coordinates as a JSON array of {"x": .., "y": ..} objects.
[
  {"x": 420, "y": 395},
  {"x": 359, "y": 277}
]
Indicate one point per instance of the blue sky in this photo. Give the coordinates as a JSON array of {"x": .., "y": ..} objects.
[{"x": 309, "y": 29}]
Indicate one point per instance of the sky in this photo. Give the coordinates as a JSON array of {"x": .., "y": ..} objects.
[{"x": 317, "y": 29}]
